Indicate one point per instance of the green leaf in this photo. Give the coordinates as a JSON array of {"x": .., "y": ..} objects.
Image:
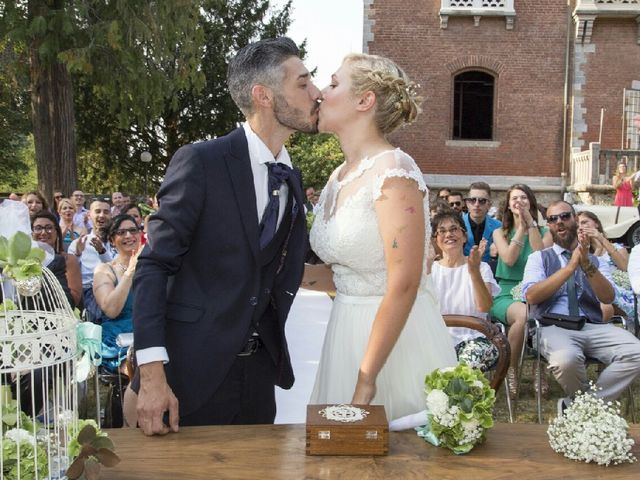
[
  {"x": 102, "y": 442},
  {"x": 4, "y": 248},
  {"x": 36, "y": 253},
  {"x": 19, "y": 246},
  {"x": 107, "y": 458},
  {"x": 87, "y": 434}
]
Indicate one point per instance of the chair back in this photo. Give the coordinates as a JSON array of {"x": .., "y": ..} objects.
[{"x": 494, "y": 335}]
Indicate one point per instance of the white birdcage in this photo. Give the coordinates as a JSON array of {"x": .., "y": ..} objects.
[{"x": 38, "y": 394}]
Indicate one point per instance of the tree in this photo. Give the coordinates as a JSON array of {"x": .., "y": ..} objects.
[
  {"x": 190, "y": 114},
  {"x": 316, "y": 156},
  {"x": 122, "y": 47}
]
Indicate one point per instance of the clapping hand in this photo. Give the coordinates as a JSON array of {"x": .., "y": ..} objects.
[
  {"x": 525, "y": 216},
  {"x": 98, "y": 245},
  {"x": 133, "y": 261},
  {"x": 475, "y": 256}
]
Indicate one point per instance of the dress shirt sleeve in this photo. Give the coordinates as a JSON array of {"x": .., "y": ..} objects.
[
  {"x": 533, "y": 272},
  {"x": 152, "y": 354},
  {"x": 634, "y": 269}
]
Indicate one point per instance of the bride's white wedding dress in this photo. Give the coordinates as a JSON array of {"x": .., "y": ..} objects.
[{"x": 345, "y": 234}]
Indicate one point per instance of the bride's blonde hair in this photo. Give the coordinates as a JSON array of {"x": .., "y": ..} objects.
[{"x": 397, "y": 99}]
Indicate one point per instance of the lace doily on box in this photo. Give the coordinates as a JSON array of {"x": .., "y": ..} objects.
[{"x": 343, "y": 413}]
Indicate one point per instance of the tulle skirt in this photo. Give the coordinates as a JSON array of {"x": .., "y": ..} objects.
[{"x": 423, "y": 345}]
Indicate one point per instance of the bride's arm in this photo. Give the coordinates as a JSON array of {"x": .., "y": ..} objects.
[
  {"x": 400, "y": 214},
  {"x": 318, "y": 277}
]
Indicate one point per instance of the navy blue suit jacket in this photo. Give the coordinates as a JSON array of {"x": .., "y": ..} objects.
[{"x": 198, "y": 278}]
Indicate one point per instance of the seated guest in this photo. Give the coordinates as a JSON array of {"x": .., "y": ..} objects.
[
  {"x": 134, "y": 210},
  {"x": 476, "y": 221},
  {"x": 567, "y": 279},
  {"x": 633, "y": 269},
  {"x": 112, "y": 289},
  {"x": 92, "y": 250},
  {"x": 443, "y": 193},
  {"x": 70, "y": 231},
  {"x": 614, "y": 254},
  {"x": 518, "y": 237},
  {"x": 35, "y": 201},
  {"x": 45, "y": 229},
  {"x": 456, "y": 201},
  {"x": 465, "y": 286}
]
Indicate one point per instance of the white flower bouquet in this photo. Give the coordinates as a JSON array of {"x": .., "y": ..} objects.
[
  {"x": 459, "y": 408},
  {"x": 592, "y": 431}
]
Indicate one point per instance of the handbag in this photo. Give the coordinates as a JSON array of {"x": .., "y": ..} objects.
[{"x": 569, "y": 322}]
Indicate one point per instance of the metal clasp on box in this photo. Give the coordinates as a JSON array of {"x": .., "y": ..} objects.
[
  {"x": 324, "y": 435},
  {"x": 371, "y": 435}
]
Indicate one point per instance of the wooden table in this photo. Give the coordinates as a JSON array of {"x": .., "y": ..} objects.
[{"x": 512, "y": 451}]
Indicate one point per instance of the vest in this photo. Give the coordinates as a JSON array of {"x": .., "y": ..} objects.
[
  {"x": 265, "y": 318},
  {"x": 587, "y": 299}
]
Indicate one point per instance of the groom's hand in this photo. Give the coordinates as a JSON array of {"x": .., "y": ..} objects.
[{"x": 154, "y": 399}]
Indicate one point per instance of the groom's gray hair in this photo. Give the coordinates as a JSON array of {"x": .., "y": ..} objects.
[{"x": 258, "y": 63}]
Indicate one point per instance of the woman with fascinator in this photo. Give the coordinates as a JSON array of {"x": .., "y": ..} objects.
[{"x": 385, "y": 332}]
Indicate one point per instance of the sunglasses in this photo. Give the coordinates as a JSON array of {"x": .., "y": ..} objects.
[
  {"x": 474, "y": 200},
  {"x": 121, "y": 232},
  {"x": 551, "y": 219},
  {"x": 455, "y": 204},
  {"x": 57, "y": 197},
  {"x": 43, "y": 228}
]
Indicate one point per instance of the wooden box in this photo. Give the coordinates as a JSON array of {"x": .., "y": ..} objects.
[{"x": 368, "y": 436}]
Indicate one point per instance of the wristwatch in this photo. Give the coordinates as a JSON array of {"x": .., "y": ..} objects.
[{"x": 533, "y": 224}]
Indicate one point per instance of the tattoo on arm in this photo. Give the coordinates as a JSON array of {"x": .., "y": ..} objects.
[
  {"x": 411, "y": 210},
  {"x": 101, "y": 285},
  {"x": 402, "y": 228},
  {"x": 395, "y": 243}
]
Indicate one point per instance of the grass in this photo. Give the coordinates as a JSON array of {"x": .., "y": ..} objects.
[{"x": 526, "y": 408}]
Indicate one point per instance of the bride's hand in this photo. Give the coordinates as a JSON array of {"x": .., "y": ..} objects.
[{"x": 365, "y": 391}]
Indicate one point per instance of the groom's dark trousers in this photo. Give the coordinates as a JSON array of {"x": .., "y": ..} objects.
[{"x": 204, "y": 288}]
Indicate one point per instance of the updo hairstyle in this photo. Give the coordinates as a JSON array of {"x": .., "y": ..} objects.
[{"x": 397, "y": 99}]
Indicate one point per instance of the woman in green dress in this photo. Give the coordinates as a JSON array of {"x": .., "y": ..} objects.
[{"x": 519, "y": 236}]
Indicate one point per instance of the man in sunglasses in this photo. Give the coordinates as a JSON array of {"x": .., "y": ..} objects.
[
  {"x": 478, "y": 224},
  {"x": 456, "y": 202},
  {"x": 566, "y": 279}
]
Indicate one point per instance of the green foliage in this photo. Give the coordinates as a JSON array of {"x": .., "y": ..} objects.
[
  {"x": 91, "y": 448},
  {"x": 18, "y": 259},
  {"x": 316, "y": 156},
  {"x": 32, "y": 454}
]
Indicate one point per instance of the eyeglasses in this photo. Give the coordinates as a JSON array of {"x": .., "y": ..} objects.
[
  {"x": 121, "y": 232},
  {"x": 474, "y": 200},
  {"x": 551, "y": 219},
  {"x": 455, "y": 204},
  {"x": 41, "y": 228},
  {"x": 453, "y": 230}
]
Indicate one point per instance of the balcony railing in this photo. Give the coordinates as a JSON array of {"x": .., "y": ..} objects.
[
  {"x": 587, "y": 11},
  {"x": 596, "y": 166},
  {"x": 477, "y": 9}
]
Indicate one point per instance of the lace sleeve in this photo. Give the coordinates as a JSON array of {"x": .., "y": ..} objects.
[{"x": 397, "y": 165}]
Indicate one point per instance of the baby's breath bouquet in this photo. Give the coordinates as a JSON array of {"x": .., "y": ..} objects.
[
  {"x": 591, "y": 430},
  {"x": 459, "y": 408}
]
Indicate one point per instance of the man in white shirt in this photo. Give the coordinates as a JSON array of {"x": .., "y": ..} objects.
[
  {"x": 91, "y": 251},
  {"x": 566, "y": 279}
]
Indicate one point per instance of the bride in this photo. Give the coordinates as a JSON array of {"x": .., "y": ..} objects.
[{"x": 371, "y": 230}]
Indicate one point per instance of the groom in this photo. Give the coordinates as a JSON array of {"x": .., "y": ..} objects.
[{"x": 215, "y": 283}]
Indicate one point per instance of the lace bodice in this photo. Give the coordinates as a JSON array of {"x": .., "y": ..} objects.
[{"x": 345, "y": 231}]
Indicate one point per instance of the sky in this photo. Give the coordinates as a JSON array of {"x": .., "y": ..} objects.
[{"x": 332, "y": 28}]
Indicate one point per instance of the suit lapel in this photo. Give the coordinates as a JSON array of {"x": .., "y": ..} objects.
[{"x": 239, "y": 166}]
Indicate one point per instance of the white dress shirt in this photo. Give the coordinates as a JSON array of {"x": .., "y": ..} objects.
[
  {"x": 259, "y": 155},
  {"x": 90, "y": 258}
]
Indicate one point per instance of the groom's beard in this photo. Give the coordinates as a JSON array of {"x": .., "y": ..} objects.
[{"x": 295, "y": 118}]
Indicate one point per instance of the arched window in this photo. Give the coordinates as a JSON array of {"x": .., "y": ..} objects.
[{"x": 473, "y": 106}]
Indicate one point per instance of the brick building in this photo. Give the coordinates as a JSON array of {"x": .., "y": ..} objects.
[{"x": 515, "y": 89}]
